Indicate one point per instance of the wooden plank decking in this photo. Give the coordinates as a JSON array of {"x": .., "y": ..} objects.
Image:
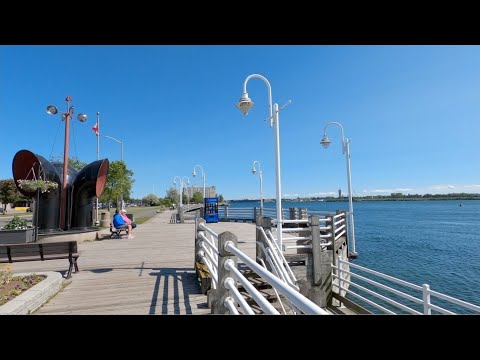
[{"x": 151, "y": 274}]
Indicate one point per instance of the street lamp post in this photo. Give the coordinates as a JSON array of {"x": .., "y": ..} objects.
[
  {"x": 66, "y": 116},
  {"x": 180, "y": 184},
  {"x": 260, "y": 175},
  {"x": 245, "y": 104},
  {"x": 345, "y": 150},
  {"x": 121, "y": 158},
  {"x": 188, "y": 183},
  {"x": 203, "y": 178},
  {"x": 120, "y": 142}
]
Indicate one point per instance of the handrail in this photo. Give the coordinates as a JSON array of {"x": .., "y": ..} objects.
[
  {"x": 379, "y": 274},
  {"x": 274, "y": 245},
  {"x": 425, "y": 291},
  {"x": 264, "y": 304},
  {"x": 203, "y": 227},
  {"x": 303, "y": 303},
  {"x": 230, "y": 285},
  {"x": 277, "y": 260}
]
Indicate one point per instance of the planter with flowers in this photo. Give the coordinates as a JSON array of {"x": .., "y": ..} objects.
[{"x": 17, "y": 232}]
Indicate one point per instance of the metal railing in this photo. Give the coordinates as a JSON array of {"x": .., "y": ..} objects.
[
  {"x": 420, "y": 297},
  {"x": 221, "y": 262}
]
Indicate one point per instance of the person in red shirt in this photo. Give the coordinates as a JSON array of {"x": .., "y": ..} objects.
[{"x": 123, "y": 213}]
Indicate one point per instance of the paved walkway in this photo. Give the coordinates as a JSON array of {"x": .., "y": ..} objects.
[{"x": 151, "y": 274}]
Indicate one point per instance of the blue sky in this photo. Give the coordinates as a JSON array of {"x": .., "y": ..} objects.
[{"x": 412, "y": 114}]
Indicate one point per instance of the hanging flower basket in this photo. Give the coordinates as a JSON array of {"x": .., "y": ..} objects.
[{"x": 33, "y": 185}]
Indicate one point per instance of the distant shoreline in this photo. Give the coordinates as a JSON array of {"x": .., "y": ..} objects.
[{"x": 362, "y": 199}]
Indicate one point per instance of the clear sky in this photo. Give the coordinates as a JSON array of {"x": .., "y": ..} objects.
[{"x": 412, "y": 114}]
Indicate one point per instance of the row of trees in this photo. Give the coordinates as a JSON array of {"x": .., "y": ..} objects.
[{"x": 171, "y": 197}]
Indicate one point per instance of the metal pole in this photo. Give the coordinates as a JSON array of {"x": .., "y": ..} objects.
[
  {"x": 350, "y": 200},
  {"x": 63, "y": 202},
  {"x": 121, "y": 145},
  {"x": 203, "y": 175},
  {"x": 261, "y": 191},
  {"x": 278, "y": 178},
  {"x": 98, "y": 158}
]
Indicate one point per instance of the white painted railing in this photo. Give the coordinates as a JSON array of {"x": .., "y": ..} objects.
[
  {"x": 426, "y": 296},
  {"x": 281, "y": 279},
  {"x": 300, "y": 301}
]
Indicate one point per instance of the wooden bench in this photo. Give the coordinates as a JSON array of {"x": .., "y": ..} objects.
[
  {"x": 117, "y": 232},
  {"x": 45, "y": 251}
]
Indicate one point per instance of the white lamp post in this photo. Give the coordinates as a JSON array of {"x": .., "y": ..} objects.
[
  {"x": 180, "y": 184},
  {"x": 245, "y": 104},
  {"x": 203, "y": 177},
  {"x": 260, "y": 175},
  {"x": 188, "y": 183},
  {"x": 121, "y": 158},
  {"x": 345, "y": 150}
]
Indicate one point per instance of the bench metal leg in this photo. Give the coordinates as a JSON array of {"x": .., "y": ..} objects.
[
  {"x": 69, "y": 273},
  {"x": 76, "y": 266}
]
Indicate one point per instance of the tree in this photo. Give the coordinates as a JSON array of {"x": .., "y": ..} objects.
[
  {"x": 9, "y": 192},
  {"x": 197, "y": 198},
  {"x": 220, "y": 198},
  {"x": 119, "y": 180},
  {"x": 76, "y": 163},
  {"x": 150, "y": 199},
  {"x": 73, "y": 161},
  {"x": 172, "y": 194}
]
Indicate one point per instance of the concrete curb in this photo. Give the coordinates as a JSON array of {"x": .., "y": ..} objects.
[{"x": 30, "y": 300}]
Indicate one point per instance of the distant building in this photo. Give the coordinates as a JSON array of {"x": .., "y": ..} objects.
[
  {"x": 210, "y": 191},
  {"x": 339, "y": 193}
]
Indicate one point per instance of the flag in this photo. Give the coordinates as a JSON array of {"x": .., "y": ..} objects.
[{"x": 95, "y": 128}]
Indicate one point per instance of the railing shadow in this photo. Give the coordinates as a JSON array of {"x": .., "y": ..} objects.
[
  {"x": 181, "y": 283},
  {"x": 188, "y": 279}
]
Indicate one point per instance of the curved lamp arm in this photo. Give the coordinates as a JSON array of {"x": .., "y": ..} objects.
[
  {"x": 344, "y": 143},
  {"x": 270, "y": 103}
]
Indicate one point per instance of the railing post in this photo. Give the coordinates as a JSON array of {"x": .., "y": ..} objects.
[
  {"x": 316, "y": 250},
  {"x": 302, "y": 213},
  {"x": 293, "y": 213},
  {"x": 218, "y": 306},
  {"x": 426, "y": 299},
  {"x": 266, "y": 224},
  {"x": 317, "y": 285},
  {"x": 226, "y": 212}
]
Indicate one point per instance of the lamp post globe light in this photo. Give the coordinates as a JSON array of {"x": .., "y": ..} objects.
[
  {"x": 260, "y": 175},
  {"x": 345, "y": 150},
  {"x": 121, "y": 158},
  {"x": 245, "y": 104},
  {"x": 203, "y": 178},
  {"x": 66, "y": 116}
]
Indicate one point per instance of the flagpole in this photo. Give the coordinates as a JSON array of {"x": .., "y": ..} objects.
[{"x": 97, "y": 223}]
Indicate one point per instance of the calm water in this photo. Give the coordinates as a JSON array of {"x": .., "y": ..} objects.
[{"x": 433, "y": 242}]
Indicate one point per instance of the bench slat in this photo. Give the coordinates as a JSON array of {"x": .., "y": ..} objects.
[{"x": 40, "y": 252}]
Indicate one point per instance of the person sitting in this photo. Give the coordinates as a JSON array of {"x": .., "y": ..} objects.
[
  {"x": 119, "y": 223},
  {"x": 129, "y": 222}
]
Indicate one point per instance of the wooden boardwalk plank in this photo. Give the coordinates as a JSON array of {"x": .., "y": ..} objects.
[{"x": 151, "y": 274}]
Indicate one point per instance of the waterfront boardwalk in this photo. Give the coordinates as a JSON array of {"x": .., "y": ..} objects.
[{"x": 151, "y": 274}]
